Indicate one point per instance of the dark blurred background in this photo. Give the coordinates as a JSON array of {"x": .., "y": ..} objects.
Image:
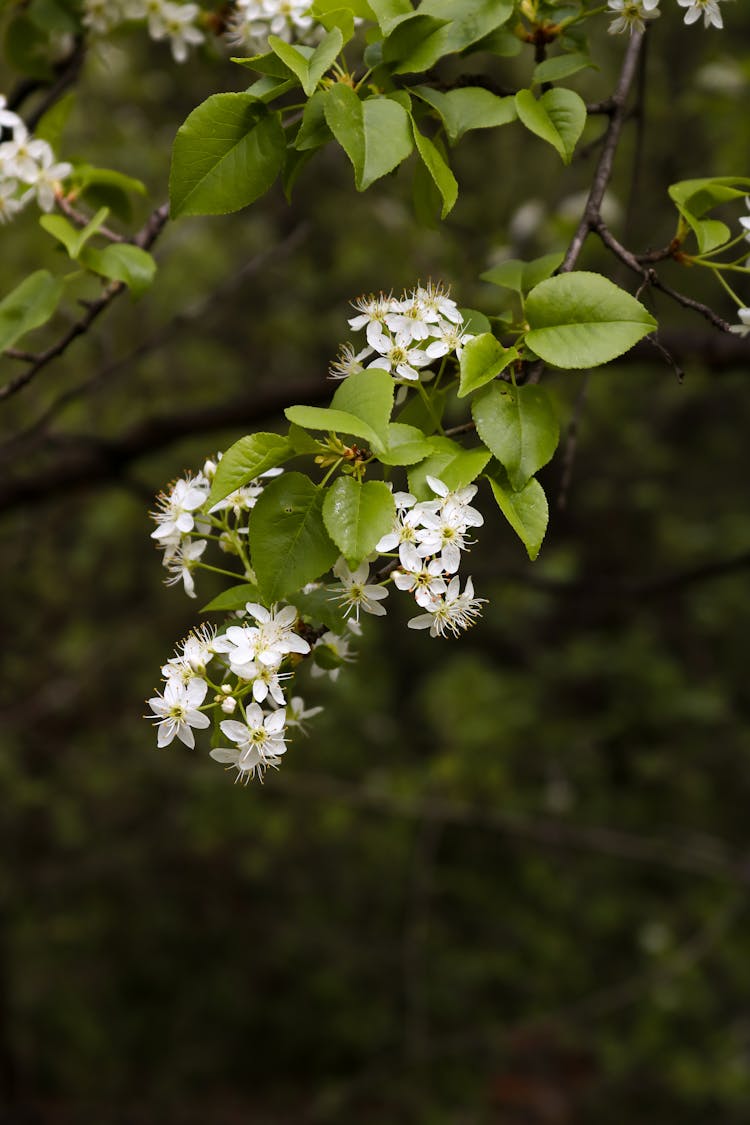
[{"x": 505, "y": 879}]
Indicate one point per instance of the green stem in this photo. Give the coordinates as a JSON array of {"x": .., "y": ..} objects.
[
  {"x": 218, "y": 570},
  {"x": 430, "y": 410}
]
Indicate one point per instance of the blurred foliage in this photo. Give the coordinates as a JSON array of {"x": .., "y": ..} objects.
[{"x": 389, "y": 929}]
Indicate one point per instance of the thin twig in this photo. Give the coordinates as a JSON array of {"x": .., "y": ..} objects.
[{"x": 145, "y": 239}]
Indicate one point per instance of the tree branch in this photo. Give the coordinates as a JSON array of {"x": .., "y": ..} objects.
[{"x": 145, "y": 239}]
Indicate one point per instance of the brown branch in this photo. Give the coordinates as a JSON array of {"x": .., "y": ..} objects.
[
  {"x": 651, "y": 278},
  {"x": 145, "y": 239},
  {"x": 82, "y": 220},
  {"x": 603, "y": 173},
  {"x": 86, "y": 462}
]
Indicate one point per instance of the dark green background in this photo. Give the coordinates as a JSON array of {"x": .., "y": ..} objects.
[{"x": 505, "y": 878}]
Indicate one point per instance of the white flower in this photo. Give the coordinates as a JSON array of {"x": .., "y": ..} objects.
[
  {"x": 331, "y": 651},
  {"x": 265, "y": 644},
  {"x": 435, "y": 301},
  {"x": 405, "y": 531},
  {"x": 254, "y": 20},
  {"x": 195, "y": 654},
  {"x": 709, "y": 9},
  {"x": 348, "y": 362},
  {"x": 452, "y": 612},
  {"x": 23, "y": 155},
  {"x": 259, "y": 742},
  {"x": 47, "y": 178},
  {"x": 745, "y": 220},
  {"x": 632, "y": 14},
  {"x": 355, "y": 593},
  {"x": 742, "y": 329},
  {"x": 396, "y": 355},
  {"x": 296, "y": 713},
  {"x": 175, "y": 508},
  {"x": 177, "y": 711},
  {"x": 452, "y": 338},
  {"x": 372, "y": 313},
  {"x": 176, "y": 22},
  {"x": 422, "y": 579},
  {"x": 101, "y": 16},
  {"x": 8, "y": 119},
  {"x": 182, "y": 561},
  {"x": 444, "y": 530},
  {"x": 9, "y": 204}
]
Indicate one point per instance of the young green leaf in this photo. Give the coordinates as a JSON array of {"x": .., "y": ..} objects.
[
  {"x": 375, "y": 134},
  {"x": 459, "y": 24},
  {"x": 28, "y": 306},
  {"x": 289, "y": 543},
  {"x": 439, "y": 170},
  {"x": 227, "y": 153},
  {"x": 406, "y": 445},
  {"x": 519, "y": 425},
  {"x": 561, "y": 66},
  {"x": 121, "y": 262},
  {"x": 236, "y": 597},
  {"x": 358, "y": 514},
  {"x": 582, "y": 319},
  {"x": 367, "y": 395},
  {"x": 71, "y": 237},
  {"x": 470, "y": 107},
  {"x": 246, "y": 460},
  {"x": 451, "y": 463},
  {"x": 526, "y": 511},
  {"x": 558, "y": 117},
  {"x": 522, "y": 276},
  {"x": 482, "y": 359},
  {"x": 333, "y": 421}
]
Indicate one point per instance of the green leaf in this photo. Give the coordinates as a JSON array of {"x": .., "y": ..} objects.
[
  {"x": 367, "y": 395},
  {"x": 561, "y": 66},
  {"x": 357, "y": 515},
  {"x": 471, "y": 107},
  {"x": 268, "y": 88},
  {"x": 374, "y": 134},
  {"x": 314, "y": 131},
  {"x": 85, "y": 175},
  {"x": 462, "y": 23},
  {"x": 526, "y": 511},
  {"x": 558, "y": 117},
  {"x": 227, "y": 153},
  {"x": 28, "y": 306},
  {"x": 406, "y": 445},
  {"x": 288, "y": 541},
  {"x": 236, "y": 597},
  {"x": 439, "y": 170},
  {"x": 323, "y": 58},
  {"x": 695, "y": 197},
  {"x": 522, "y": 276},
  {"x": 71, "y": 237},
  {"x": 482, "y": 359},
  {"x": 121, "y": 262},
  {"x": 519, "y": 425},
  {"x": 451, "y": 463},
  {"x": 581, "y": 319},
  {"x": 333, "y": 421},
  {"x": 319, "y": 608},
  {"x": 246, "y": 460},
  {"x": 390, "y": 13},
  {"x": 295, "y": 57},
  {"x": 475, "y": 322},
  {"x": 268, "y": 64}
]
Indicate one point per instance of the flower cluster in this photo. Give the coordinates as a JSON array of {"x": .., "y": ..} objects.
[
  {"x": 165, "y": 19},
  {"x": 28, "y": 168},
  {"x": 631, "y": 15},
  {"x": 252, "y": 21},
  {"x": 404, "y": 335},
  {"x": 242, "y": 672},
  {"x": 429, "y": 537},
  {"x": 242, "y": 667}
]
